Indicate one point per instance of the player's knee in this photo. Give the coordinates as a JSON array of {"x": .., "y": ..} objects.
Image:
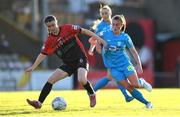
[
  {"x": 130, "y": 88},
  {"x": 109, "y": 76},
  {"x": 83, "y": 81},
  {"x": 137, "y": 85},
  {"x": 51, "y": 80}
]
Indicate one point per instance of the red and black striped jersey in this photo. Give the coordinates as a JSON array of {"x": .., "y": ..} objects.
[{"x": 66, "y": 45}]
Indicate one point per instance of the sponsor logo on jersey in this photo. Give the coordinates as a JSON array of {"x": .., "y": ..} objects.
[{"x": 130, "y": 68}]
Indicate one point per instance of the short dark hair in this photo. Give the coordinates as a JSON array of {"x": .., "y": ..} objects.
[{"x": 49, "y": 18}]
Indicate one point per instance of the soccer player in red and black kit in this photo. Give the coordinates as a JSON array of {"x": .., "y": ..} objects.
[{"x": 63, "y": 42}]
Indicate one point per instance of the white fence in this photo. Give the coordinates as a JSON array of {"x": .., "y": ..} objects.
[{"x": 9, "y": 80}]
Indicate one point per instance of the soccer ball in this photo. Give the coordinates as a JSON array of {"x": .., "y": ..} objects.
[{"x": 59, "y": 103}]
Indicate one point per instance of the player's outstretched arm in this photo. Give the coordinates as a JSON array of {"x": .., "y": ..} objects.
[
  {"x": 38, "y": 60},
  {"x": 91, "y": 34}
]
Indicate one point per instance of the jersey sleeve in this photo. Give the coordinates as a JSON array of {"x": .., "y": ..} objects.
[
  {"x": 49, "y": 47},
  {"x": 129, "y": 42},
  {"x": 74, "y": 29}
]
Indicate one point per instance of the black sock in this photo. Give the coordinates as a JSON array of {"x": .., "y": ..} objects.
[
  {"x": 45, "y": 91},
  {"x": 89, "y": 88}
]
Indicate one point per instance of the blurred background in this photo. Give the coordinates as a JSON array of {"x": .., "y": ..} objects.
[{"x": 153, "y": 26}]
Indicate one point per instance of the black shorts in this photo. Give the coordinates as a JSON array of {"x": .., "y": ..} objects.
[{"x": 72, "y": 67}]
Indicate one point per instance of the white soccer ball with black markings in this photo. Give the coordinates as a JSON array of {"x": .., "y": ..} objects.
[{"x": 59, "y": 103}]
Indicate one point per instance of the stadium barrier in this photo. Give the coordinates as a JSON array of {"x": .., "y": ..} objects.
[{"x": 17, "y": 80}]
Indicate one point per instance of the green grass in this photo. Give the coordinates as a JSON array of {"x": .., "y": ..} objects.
[{"x": 111, "y": 103}]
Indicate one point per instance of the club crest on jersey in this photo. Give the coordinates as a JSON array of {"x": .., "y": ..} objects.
[
  {"x": 60, "y": 41},
  {"x": 75, "y": 27}
]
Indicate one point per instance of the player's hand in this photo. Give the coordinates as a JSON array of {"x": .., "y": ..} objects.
[
  {"x": 98, "y": 48},
  {"x": 28, "y": 72},
  {"x": 91, "y": 49},
  {"x": 139, "y": 69},
  {"x": 92, "y": 41},
  {"x": 30, "y": 69}
]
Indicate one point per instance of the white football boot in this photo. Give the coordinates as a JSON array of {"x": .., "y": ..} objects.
[
  {"x": 145, "y": 84},
  {"x": 149, "y": 105}
]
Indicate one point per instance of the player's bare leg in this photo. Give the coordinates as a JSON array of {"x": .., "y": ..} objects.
[
  {"x": 56, "y": 76},
  {"x": 82, "y": 78}
]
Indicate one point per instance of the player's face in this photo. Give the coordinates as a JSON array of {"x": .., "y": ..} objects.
[
  {"x": 52, "y": 26},
  {"x": 105, "y": 14},
  {"x": 116, "y": 26}
]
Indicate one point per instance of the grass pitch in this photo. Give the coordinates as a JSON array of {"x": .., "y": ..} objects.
[{"x": 111, "y": 103}]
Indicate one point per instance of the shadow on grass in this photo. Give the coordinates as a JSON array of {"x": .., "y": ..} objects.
[
  {"x": 18, "y": 112},
  {"x": 15, "y": 113}
]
